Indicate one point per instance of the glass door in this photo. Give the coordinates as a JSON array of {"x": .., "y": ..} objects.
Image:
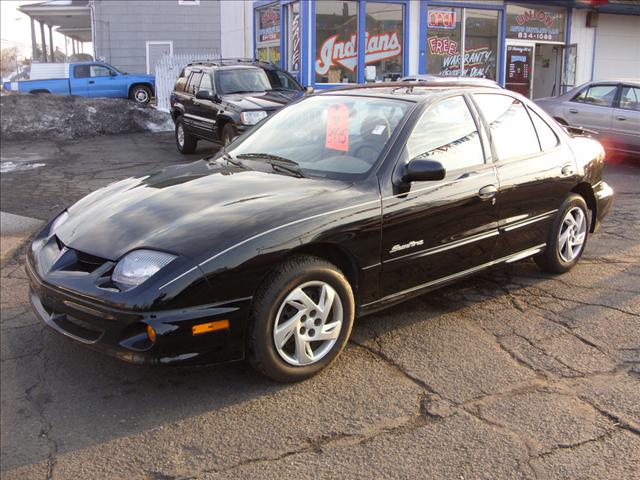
[{"x": 519, "y": 65}]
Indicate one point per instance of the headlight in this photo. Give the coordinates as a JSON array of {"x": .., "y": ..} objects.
[
  {"x": 136, "y": 267},
  {"x": 58, "y": 221},
  {"x": 251, "y": 118}
]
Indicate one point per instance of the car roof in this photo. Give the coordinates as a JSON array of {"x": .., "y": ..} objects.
[
  {"x": 428, "y": 78},
  {"x": 634, "y": 81},
  {"x": 410, "y": 91}
]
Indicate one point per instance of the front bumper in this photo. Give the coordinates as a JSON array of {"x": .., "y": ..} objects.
[
  {"x": 122, "y": 333},
  {"x": 604, "y": 200}
]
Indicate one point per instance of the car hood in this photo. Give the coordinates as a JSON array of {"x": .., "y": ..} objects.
[
  {"x": 193, "y": 209},
  {"x": 271, "y": 100}
]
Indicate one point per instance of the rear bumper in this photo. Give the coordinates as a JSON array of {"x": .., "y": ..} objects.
[
  {"x": 122, "y": 334},
  {"x": 604, "y": 200}
]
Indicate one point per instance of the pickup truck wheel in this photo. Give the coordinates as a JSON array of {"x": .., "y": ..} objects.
[
  {"x": 140, "y": 94},
  {"x": 228, "y": 134},
  {"x": 185, "y": 142}
]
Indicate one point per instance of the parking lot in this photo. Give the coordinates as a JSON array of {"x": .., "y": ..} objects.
[{"x": 511, "y": 374}]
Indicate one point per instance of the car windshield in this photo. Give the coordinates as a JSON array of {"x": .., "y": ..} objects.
[
  {"x": 243, "y": 80},
  {"x": 333, "y": 136}
]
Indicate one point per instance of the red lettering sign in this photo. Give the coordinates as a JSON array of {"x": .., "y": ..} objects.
[
  {"x": 338, "y": 128},
  {"x": 442, "y": 19}
]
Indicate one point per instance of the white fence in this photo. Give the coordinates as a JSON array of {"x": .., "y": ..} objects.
[{"x": 168, "y": 69}]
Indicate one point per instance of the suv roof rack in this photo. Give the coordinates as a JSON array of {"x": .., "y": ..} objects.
[{"x": 220, "y": 62}]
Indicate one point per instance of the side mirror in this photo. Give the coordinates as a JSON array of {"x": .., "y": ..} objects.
[
  {"x": 208, "y": 95},
  {"x": 309, "y": 90},
  {"x": 421, "y": 170}
]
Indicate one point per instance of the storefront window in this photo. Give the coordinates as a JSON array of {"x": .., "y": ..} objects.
[
  {"x": 545, "y": 24},
  {"x": 444, "y": 40},
  {"x": 268, "y": 33},
  {"x": 451, "y": 31},
  {"x": 336, "y": 59},
  {"x": 385, "y": 40},
  {"x": 293, "y": 37},
  {"x": 481, "y": 43}
]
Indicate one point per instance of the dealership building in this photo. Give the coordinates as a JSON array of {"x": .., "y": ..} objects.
[{"x": 538, "y": 48}]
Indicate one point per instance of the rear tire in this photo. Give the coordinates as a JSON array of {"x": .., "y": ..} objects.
[
  {"x": 185, "y": 142},
  {"x": 301, "y": 319},
  {"x": 567, "y": 237},
  {"x": 140, "y": 94}
]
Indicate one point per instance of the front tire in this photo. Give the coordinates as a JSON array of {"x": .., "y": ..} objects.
[
  {"x": 185, "y": 142},
  {"x": 567, "y": 238},
  {"x": 301, "y": 319},
  {"x": 140, "y": 94}
]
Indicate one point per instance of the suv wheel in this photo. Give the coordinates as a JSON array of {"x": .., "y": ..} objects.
[
  {"x": 301, "y": 319},
  {"x": 185, "y": 142}
]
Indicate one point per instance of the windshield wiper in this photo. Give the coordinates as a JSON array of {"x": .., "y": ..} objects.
[
  {"x": 277, "y": 162},
  {"x": 226, "y": 156},
  {"x": 266, "y": 156}
]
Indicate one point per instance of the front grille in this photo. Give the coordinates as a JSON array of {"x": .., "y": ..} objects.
[
  {"x": 60, "y": 257},
  {"x": 86, "y": 262}
]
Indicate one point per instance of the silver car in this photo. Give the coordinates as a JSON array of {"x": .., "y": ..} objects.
[{"x": 610, "y": 108}]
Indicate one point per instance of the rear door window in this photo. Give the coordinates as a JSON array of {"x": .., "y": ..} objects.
[
  {"x": 447, "y": 133},
  {"x": 546, "y": 135},
  {"x": 512, "y": 132},
  {"x": 601, "y": 95},
  {"x": 630, "y": 98}
]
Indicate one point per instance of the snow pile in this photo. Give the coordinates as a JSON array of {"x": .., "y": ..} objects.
[{"x": 53, "y": 117}]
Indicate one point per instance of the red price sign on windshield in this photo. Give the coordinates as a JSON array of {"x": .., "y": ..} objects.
[{"x": 338, "y": 128}]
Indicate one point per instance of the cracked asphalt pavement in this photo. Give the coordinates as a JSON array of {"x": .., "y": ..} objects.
[{"x": 511, "y": 374}]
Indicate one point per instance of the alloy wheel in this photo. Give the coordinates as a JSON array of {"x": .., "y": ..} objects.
[
  {"x": 572, "y": 235},
  {"x": 308, "y": 323},
  {"x": 180, "y": 134}
]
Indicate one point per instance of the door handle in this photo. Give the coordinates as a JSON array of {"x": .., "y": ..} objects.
[
  {"x": 573, "y": 110},
  {"x": 91, "y": 82},
  {"x": 621, "y": 118},
  {"x": 567, "y": 170},
  {"x": 487, "y": 192}
]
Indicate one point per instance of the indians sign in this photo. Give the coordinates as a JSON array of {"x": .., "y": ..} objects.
[{"x": 344, "y": 52}]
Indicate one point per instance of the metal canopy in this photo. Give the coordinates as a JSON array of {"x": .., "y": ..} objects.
[{"x": 71, "y": 17}]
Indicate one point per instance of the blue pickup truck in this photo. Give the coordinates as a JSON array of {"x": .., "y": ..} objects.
[{"x": 86, "y": 79}]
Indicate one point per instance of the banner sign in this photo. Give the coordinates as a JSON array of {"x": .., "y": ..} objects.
[{"x": 344, "y": 52}]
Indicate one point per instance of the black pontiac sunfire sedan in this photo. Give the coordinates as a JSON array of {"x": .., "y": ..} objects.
[{"x": 336, "y": 206}]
